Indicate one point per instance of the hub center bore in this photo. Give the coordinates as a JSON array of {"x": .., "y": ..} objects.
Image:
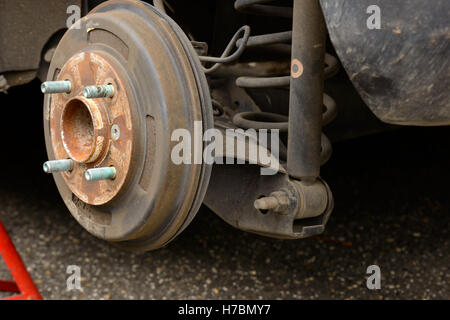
[{"x": 81, "y": 130}]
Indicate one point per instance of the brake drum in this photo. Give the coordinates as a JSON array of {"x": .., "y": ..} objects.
[{"x": 159, "y": 86}]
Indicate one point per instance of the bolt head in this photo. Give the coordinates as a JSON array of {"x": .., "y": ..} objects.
[{"x": 115, "y": 132}]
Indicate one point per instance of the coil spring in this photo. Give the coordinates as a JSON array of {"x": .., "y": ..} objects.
[{"x": 265, "y": 120}]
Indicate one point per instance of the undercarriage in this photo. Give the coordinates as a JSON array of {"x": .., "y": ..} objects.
[{"x": 152, "y": 109}]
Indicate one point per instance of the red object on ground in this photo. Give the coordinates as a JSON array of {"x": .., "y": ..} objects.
[{"x": 22, "y": 284}]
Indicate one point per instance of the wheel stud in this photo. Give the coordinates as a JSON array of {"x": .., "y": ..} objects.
[
  {"x": 96, "y": 174},
  {"x": 100, "y": 91},
  {"x": 58, "y": 166},
  {"x": 56, "y": 86}
]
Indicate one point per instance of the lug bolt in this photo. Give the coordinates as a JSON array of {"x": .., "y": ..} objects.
[
  {"x": 278, "y": 201},
  {"x": 56, "y": 86},
  {"x": 96, "y": 174},
  {"x": 58, "y": 166},
  {"x": 266, "y": 203},
  {"x": 115, "y": 132},
  {"x": 100, "y": 91}
]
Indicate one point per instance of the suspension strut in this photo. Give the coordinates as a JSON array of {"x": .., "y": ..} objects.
[
  {"x": 296, "y": 202},
  {"x": 306, "y": 87},
  {"x": 308, "y": 148}
]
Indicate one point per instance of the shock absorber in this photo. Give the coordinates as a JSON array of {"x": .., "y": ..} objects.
[
  {"x": 306, "y": 90},
  {"x": 295, "y": 202},
  {"x": 308, "y": 148}
]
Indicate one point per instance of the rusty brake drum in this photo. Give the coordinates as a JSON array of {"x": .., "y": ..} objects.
[{"x": 159, "y": 87}]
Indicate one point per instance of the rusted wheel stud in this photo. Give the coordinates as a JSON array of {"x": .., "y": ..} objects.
[
  {"x": 98, "y": 174},
  {"x": 63, "y": 86},
  {"x": 58, "y": 166},
  {"x": 100, "y": 91}
]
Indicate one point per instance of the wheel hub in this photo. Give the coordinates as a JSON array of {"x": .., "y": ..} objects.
[
  {"x": 81, "y": 128},
  {"x": 151, "y": 84}
]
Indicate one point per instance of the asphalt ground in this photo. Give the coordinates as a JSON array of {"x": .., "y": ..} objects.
[{"x": 391, "y": 210}]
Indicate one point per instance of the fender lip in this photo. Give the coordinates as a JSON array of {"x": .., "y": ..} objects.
[{"x": 400, "y": 70}]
